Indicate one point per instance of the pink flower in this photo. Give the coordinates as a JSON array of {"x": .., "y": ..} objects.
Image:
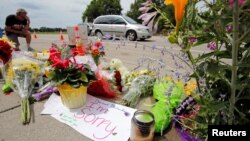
[
  {"x": 212, "y": 45},
  {"x": 231, "y": 3}
]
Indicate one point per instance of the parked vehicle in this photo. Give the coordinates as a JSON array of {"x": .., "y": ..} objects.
[{"x": 120, "y": 25}]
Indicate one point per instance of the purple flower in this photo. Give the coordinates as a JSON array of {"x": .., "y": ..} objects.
[
  {"x": 144, "y": 9},
  {"x": 147, "y": 3},
  {"x": 212, "y": 45},
  {"x": 147, "y": 17},
  {"x": 229, "y": 28},
  {"x": 192, "y": 39}
]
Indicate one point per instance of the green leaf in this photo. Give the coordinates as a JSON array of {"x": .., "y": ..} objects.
[
  {"x": 244, "y": 65},
  {"x": 220, "y": 54},
  {"x": 84, "y": 78}
]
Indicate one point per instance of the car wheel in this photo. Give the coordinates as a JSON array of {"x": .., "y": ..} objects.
[
  {"x": 99, "y": 34},
  {"x": 131, "y": 35}
]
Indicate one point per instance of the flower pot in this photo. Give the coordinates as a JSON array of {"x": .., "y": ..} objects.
[{"x": 72, "y": 97}]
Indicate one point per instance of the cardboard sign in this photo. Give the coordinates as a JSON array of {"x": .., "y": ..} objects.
[
  {"x": 98, "y": 119},
  {"x": 81, "y": 35}
]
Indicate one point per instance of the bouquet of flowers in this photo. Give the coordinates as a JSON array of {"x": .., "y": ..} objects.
[
  {"x": 22, "y": 74},
  {"x": 141, "y": 86},
  {"x": 97, "y": 51}
]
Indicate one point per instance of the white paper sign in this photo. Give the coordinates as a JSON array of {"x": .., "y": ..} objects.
[{"x": 98, "y": 120}]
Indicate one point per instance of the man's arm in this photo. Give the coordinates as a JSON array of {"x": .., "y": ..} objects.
[
  {"x": 14, "y": 29},
  {"x": 28, "y": 23}
]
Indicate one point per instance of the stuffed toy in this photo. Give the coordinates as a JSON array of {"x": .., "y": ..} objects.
[{"x": 116, "y": 64}]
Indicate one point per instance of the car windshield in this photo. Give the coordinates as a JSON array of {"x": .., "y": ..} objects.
[{"x": 129, "y": 20}]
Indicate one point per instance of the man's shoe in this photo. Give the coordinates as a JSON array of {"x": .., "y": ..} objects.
[
  {"x": 16, "y": 49},
  {"x": 31, "y": 49}
]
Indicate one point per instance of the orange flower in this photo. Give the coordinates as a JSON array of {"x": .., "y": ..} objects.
[
  {"x": 179, "y": 6},
  {"x": 95, "y": 51}
]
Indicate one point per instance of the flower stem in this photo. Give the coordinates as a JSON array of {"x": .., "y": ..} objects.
[{"x": 235, "y": 44}]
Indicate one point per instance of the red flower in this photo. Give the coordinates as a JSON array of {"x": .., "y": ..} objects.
[
  {"x": 75, "y": 51},
  {"x": 57, "y": 63},
  {"x": 98, "y": 44},
  {"x": 54, "y": 53},
  {"x": 5, "y": 51}
]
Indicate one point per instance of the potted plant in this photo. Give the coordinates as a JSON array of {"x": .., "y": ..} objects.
[{"x": 70, "y": 76}]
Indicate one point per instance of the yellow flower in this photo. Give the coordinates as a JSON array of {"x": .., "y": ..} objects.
[
  {"x": 23, "y": 64},
  {"x": 5, "y": 39},
  {"x": 168, "y": 78},
  {"x": 190, "y": 87},
  {"x": 179, "y": 10}
]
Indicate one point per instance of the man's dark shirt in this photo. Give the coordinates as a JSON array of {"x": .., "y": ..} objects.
[{"x": 12, "y": 20}]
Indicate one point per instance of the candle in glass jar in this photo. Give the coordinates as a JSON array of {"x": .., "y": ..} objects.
[{"x": 142, "y": 126}]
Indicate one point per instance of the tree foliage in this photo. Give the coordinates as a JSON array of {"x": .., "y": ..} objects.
[{"x": 101, "y": 7}]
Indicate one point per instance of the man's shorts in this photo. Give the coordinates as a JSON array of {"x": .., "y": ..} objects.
[{"x": 14, "y": 38}]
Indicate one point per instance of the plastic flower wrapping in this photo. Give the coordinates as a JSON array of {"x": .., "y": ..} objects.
[
  {"x": 169, "y": 94},
  {"x": 23, "y": 73}
]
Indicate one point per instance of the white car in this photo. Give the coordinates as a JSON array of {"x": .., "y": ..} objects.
[{"x": 120, "y": 25}]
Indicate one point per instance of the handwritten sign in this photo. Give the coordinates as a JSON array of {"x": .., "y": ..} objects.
[{"x": 98, "y": 119}]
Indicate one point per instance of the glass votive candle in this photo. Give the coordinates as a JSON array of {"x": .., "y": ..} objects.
[{"x": 142, "y": 126}]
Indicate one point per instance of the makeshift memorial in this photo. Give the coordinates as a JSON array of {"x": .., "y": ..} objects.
[{"x": 70, "y": 76}]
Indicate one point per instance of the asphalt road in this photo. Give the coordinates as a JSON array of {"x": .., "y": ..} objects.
[{"x": 154, "y": 52}]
